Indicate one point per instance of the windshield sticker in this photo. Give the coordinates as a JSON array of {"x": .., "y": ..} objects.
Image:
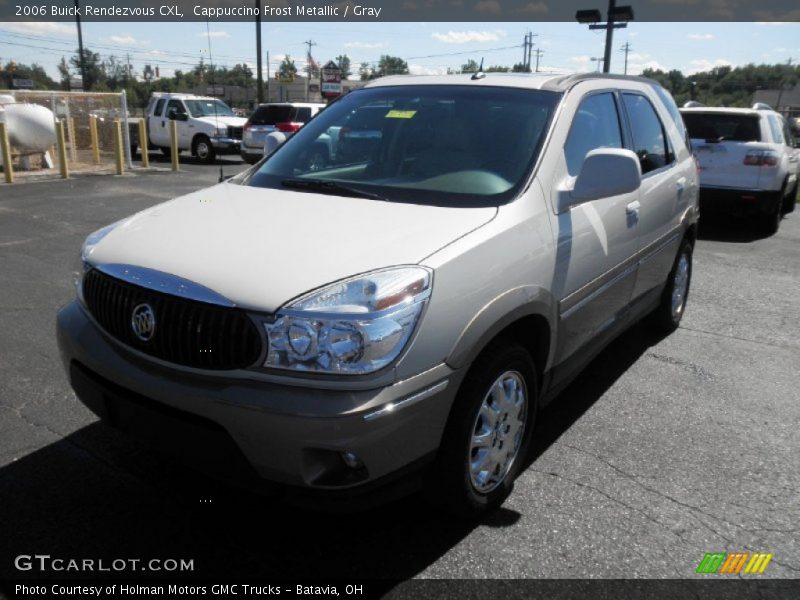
[{"x": 400, "y": 114}]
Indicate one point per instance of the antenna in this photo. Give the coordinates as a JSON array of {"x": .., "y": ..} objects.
[
  {"x": 213, "y": 89},
  {"x": 479, "y": 74}
]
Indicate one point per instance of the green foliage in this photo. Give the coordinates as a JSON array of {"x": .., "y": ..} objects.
[
  {"x": 726, "y": 86},
  {"x": 387, "y": 65},
  {"x": 344, "y": 64},
  {"x": 14, "y": 70}
]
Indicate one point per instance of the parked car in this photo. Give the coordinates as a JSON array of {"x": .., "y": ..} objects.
[
  {"x": 283, "y": 117},
  {"x": 403, "y": 317},
  {"x": 747, "y": 159}
]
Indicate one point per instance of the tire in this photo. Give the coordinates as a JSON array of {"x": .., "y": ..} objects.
[
  {"x": 771, "y": 221},
  {"x": 249, "y": 159},
  {"x": 203, "y": 150},
  {"x": 790, "y": 201},
  {"x": 669, "y": 312},
  {"x": 455, "y": 481}
]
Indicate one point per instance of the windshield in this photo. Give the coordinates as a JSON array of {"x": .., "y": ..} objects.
[
  {"x": 427, "y": 144},
  {"x": 208, "y": 108}
]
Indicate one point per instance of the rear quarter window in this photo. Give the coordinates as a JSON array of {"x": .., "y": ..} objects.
[
  {"x": 669, "y": 103},
  {"x": 269, "y": 115}
]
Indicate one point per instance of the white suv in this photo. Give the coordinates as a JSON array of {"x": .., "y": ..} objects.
[
  {"x": 747, "y": 159},
  {"x": 406, "y": 308}
]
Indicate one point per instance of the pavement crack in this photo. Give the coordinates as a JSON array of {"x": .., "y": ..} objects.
[{"x": 738, "y": 338}]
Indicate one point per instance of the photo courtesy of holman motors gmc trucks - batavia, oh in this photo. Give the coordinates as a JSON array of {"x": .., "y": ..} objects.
[{"x": 404, "y": 308}]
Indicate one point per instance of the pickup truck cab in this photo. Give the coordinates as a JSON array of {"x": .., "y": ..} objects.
[{"x": 206, "y": 126}]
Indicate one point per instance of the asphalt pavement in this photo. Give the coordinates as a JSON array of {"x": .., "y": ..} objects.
[{"x": 663, "y": 450}]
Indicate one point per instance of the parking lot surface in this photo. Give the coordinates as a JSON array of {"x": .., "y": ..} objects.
[{"x": 663, "y": 450}]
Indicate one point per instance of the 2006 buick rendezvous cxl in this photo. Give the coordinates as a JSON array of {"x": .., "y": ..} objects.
[{"x": 395, "y": 297}]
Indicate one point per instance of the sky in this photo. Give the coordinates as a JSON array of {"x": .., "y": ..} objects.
[{"x": 427, "y": 47}]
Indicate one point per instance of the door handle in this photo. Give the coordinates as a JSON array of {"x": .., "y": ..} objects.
[
  {"x": 681, "y": 185},
  {"x": 632, "y": 209}
]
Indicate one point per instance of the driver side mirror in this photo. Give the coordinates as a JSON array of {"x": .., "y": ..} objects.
[{"x": 605, "y": 172}]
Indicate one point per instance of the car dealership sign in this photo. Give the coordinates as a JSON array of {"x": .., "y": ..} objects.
[{"x": 331, "y": 80}]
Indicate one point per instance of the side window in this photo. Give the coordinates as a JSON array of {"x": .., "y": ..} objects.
[
  {"x": 304, "y": 114},
  {"x": 596, "y": 125},
  {"x": 649, "y": 141},
  {"x": 775, "y": 126},
  {"x": 175, "y": 106},
  {"x": 159, "y": 108},
  {"x": 672, "y": 109}
]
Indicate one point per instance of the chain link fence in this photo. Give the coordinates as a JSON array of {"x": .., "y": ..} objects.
[{"x": 89, "y": 122}]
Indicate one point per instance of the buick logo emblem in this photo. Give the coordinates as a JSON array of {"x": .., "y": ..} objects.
[{"x": 143, "y": 322}]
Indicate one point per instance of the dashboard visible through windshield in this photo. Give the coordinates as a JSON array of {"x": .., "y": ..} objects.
[{"x": 428, "y": 144}]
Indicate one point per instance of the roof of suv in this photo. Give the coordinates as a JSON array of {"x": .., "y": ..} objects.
[{"x": 557, "y": 82}]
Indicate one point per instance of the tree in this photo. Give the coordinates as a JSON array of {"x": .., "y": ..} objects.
[
  {"x": 470, "y": 67},
  {"x": 93, "y": 66},
  {"x": 344, "y": 64},
  {"x": 364, "y": 71},
  {"x": 497, "y": 69},
  {"x": 520, "y": 68},
  {"x": 287, "y": 70},
  {"x": 63, "y": 71},
  {"x": 387, "y": 65}
]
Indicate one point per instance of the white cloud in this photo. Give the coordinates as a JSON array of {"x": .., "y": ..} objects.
[
  {"x": 703, "y": 64},
  {"x": 366, "y": 45},
  {"x": 773, "y": 23},
  {"x": 423, "y": 70},
  {"x": 700, "y": 36},
  {"x": 464, "y": 37},
  {"x": 128, "y": 40},
  {"x": 215, "y": 34},
  {"x": 39, "y": 28},
  {"x": 157, "y": 52}
]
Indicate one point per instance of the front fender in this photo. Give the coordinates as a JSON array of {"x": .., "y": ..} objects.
[{"x": 497, "y": 315}]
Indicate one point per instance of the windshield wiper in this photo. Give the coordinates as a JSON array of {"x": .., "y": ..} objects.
[{"x": 324, "y": 186}]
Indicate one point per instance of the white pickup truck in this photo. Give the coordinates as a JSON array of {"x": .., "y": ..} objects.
[{"x": 206, "y": 126}]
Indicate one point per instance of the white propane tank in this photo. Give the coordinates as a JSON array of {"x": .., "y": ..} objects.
[{"x": 31, "y": 128}]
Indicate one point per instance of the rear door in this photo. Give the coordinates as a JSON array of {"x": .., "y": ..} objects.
[
  {"x": 721, "y": 142},
  {"x": 668, "y": 184},
  {"x": 159, "y": 136}
]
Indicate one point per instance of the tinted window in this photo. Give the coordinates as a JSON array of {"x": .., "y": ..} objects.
[
  {"x": 159, "y": 107},
  {"x": 673, "y": 111},
  {"x": 648, "y": 134},
  {"x": 596, "y": 125},
  {"x": 175, "y": 106},
  {"x": 720, "y": 126},
  {"x": 453, "y": 145},
  {"x": 272, "y": 114},
  {"x": 303, "y": 114},
  {"x": 775, "y": 126}
]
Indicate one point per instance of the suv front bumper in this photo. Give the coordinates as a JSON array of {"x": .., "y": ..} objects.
[{"x": 228, "y": 425}]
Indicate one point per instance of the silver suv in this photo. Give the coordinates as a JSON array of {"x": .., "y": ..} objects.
[{"x": 406, "y": 310}]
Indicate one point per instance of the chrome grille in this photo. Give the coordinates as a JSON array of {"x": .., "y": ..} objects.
[{"x": 187, "y": 332}]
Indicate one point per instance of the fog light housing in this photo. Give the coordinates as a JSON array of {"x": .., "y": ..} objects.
[{"x": 351, "y": 460}]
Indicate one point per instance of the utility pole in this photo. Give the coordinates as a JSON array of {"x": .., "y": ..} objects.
[
  {"x": 309, "y": 43},
  {"x": 80, "y": 46},
  {"x": 626, "y": 48},
  {"x": 527, "y": 48},
  {"x": 617, "y": 17},
  {"x": 268, "y": 84},
  {"x": 259, "y": 76},
  {"x": 599, "y": 60},
  {"x": 538, "y": 53}
]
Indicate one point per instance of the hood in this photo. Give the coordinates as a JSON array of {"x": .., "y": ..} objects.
[
  {"x": 223, "y": 121},
  {"x": 262, "y": 247}
]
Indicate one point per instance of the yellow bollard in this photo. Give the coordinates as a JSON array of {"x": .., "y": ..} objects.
[
  {"x": 73, "y": 147},
  {"x": 62, "y": 149},
  {"x": 118, "y": 152},
  {"x": 5, "y": 148},
  {"x": 173, "y": 136},
  {"x": 143, "y": 143},
  {"x": 95, "y": 142}
]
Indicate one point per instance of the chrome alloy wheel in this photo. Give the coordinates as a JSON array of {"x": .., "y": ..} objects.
[
  {"x": 497, "y": 432},
  {"x": 680, "y": 284}
]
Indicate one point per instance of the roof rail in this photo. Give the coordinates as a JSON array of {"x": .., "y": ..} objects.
[
  {"x": 761, "y": 106},
  {"x": 693, "y": 104}
]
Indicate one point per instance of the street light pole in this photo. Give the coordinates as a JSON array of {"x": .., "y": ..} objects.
[
  {"x": 259, "y": 76},
  {"x": 617, "y": 17},
  {"x": 80, "y": 46},
  {"x": 612, "y": 4}
]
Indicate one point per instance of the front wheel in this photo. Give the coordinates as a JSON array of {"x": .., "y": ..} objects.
[
  {"x": 668, "y": 314},
  {"x": 790, "y": 201},
  {"x": 488, "y": 433},
  {"x": 203, "y": 149}
]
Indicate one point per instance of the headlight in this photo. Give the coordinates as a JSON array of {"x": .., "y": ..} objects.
[
  {"x": 86, "y": 251},
  {"x": 221, "y": 132},
  {"x": 353, "y": 327}
]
